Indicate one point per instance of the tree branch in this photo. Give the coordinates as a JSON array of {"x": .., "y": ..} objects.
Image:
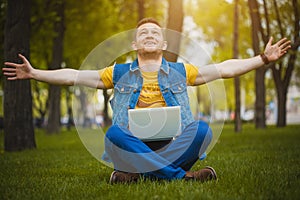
[{"x": 278, "y": 19}]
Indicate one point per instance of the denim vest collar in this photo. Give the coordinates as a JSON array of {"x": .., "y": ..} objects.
[{"x": 164, "y": 66}]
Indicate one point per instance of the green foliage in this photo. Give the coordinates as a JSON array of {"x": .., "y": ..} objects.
[
  {"x": 215, "y": 18},
  {"x": 42, "y": 33},
  {"x": 90, "y": 23},
  {"x": 283, "y": 25},
  {"x": 86, "y": 25},
  {"x": 255, "y": 164}
]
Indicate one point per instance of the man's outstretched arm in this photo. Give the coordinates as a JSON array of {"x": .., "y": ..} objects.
[
  {"x": 68, "y": 77},
  {"x": 236, "y": 67}
]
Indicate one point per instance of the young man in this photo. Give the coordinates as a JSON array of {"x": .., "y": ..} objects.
[{"x": 151, "y": 81}]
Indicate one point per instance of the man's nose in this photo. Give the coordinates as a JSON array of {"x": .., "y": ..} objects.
[{"x": 150, "y": 36}]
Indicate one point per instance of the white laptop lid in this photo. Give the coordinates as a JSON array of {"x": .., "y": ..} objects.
[{"x": 151, "y": 124}]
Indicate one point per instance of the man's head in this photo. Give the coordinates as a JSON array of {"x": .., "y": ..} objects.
[{"x": 149, "y": 37}]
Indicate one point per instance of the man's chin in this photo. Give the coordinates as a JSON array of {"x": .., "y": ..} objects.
[
  {"x": 151, "y": 50},
  {"x": 150, "y": 54}
]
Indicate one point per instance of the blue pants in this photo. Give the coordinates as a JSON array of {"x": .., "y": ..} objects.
[{"x": 130, "y": 154}]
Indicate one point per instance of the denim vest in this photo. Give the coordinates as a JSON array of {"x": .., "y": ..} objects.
[{"x": 128, "y": 82}]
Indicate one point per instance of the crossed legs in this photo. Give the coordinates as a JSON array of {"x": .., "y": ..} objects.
[{"x": 130, "y": 154}]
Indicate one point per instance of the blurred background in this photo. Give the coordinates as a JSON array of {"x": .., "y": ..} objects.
[{"x": 57, "y": 34}]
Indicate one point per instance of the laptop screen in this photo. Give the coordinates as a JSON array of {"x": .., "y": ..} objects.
[{"x": 154, "y": 124}]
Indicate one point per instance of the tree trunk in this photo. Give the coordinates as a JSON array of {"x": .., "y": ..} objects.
[
  {"x": 281, "y": 118},
  {"x": 53, "y": 125},
  {"x": 2, "y": 25},
  {"x": 70, "y": 122},
  {"x": 260, "y": 101},
  {"x": 107, "y": 119},
  {"x": 175, "y": 22},
  {"x": 237, "y": 119},
  {"x": 141, "y": 9},
  {"x": 18, "y": 120},
  {"x": 283, "y": 85}
]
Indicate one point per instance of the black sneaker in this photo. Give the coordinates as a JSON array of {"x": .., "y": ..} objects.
[
  {"x": 123, "y": 177},
  {"x": 202, "y": 175}
]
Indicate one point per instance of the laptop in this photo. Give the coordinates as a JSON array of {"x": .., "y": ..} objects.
[{"x": 155, "y": 124}]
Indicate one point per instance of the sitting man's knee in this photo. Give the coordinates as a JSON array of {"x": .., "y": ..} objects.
[
  {"x": 116, "y": 134},
  {"x": 112, "y": 132},
  {"x": 204, "y": 130}
]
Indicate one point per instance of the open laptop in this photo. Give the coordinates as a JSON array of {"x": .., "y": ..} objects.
[{"x": 155, "y": 124}]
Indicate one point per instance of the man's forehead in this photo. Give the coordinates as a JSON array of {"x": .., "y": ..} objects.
[{"x": 149, "y": 26}]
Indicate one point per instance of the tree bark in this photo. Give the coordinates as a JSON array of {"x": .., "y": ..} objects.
[
  {"x": 282, "y": 86},
  {"x": 18, "y": 120},
  {"x": 53, "y": 125},
  {"x": 141, "y": 9},
  {"x": 281, "y": 97},
  {"x": 237, "y": 119},
  {"x": 175, "y": 22},
  {"x": 70, "y": 122},
  {"x": 260, "y": 101}
]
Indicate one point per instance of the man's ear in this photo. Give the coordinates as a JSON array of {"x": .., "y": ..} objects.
[
  {"x": 165, "y": 45},
  {"x": 133, "y": 45}
]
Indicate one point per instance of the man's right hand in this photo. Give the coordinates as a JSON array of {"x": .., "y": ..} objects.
[{"x": 18, "y": 71}]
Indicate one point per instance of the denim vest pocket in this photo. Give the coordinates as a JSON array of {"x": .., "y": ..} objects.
[
  {"x": 179, "y": 91},
  {"x": 124, "y": 88},
  {"x": 178, "y": 88},
  {"x": 121, "y": 95}
]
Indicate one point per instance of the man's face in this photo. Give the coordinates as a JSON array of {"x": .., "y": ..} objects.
[{"x": 149, "y": 39}]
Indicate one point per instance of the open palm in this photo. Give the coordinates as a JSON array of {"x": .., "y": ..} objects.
[
  {"x": 276, "y": 51},
  {"x": 18, "y": 71}
]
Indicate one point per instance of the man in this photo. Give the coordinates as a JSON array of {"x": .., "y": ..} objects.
[{"x": 151, "y": 81}]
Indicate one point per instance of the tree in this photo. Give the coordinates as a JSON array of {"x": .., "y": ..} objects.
[
  {"x": 238, "y": 121},
  {"x": 18, "y": 129},
  {"x": 141, "y": 9},
  {"x": 260, "y": 91},
  {"x": 282, "y": 74},
  {"x": 283, "y": 69},
  {"x": 53, "y": 125},
  {"x": 2, "y": 25},
  {"x": 3, "y": 5},
  {"x": 175, "y": 22}
]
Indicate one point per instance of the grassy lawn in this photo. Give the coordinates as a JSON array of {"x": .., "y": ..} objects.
[{"x": 255, "y": 164}]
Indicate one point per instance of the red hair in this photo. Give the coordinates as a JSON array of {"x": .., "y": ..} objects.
[{"x": 147, "y": 20}]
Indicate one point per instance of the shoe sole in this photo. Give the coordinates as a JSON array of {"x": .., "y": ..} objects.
[
  {"x": 111, "y": 177},
  {"x": 213, "y": 172}
]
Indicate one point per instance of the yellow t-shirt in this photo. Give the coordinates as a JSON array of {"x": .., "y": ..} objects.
[{"x": 150, "y": 95}]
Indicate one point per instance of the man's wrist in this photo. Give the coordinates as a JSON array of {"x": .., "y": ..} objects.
[{"x": 264, "y": 58}]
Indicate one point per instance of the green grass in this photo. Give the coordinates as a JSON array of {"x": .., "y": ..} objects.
[{"x": 255, "y": 164}]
